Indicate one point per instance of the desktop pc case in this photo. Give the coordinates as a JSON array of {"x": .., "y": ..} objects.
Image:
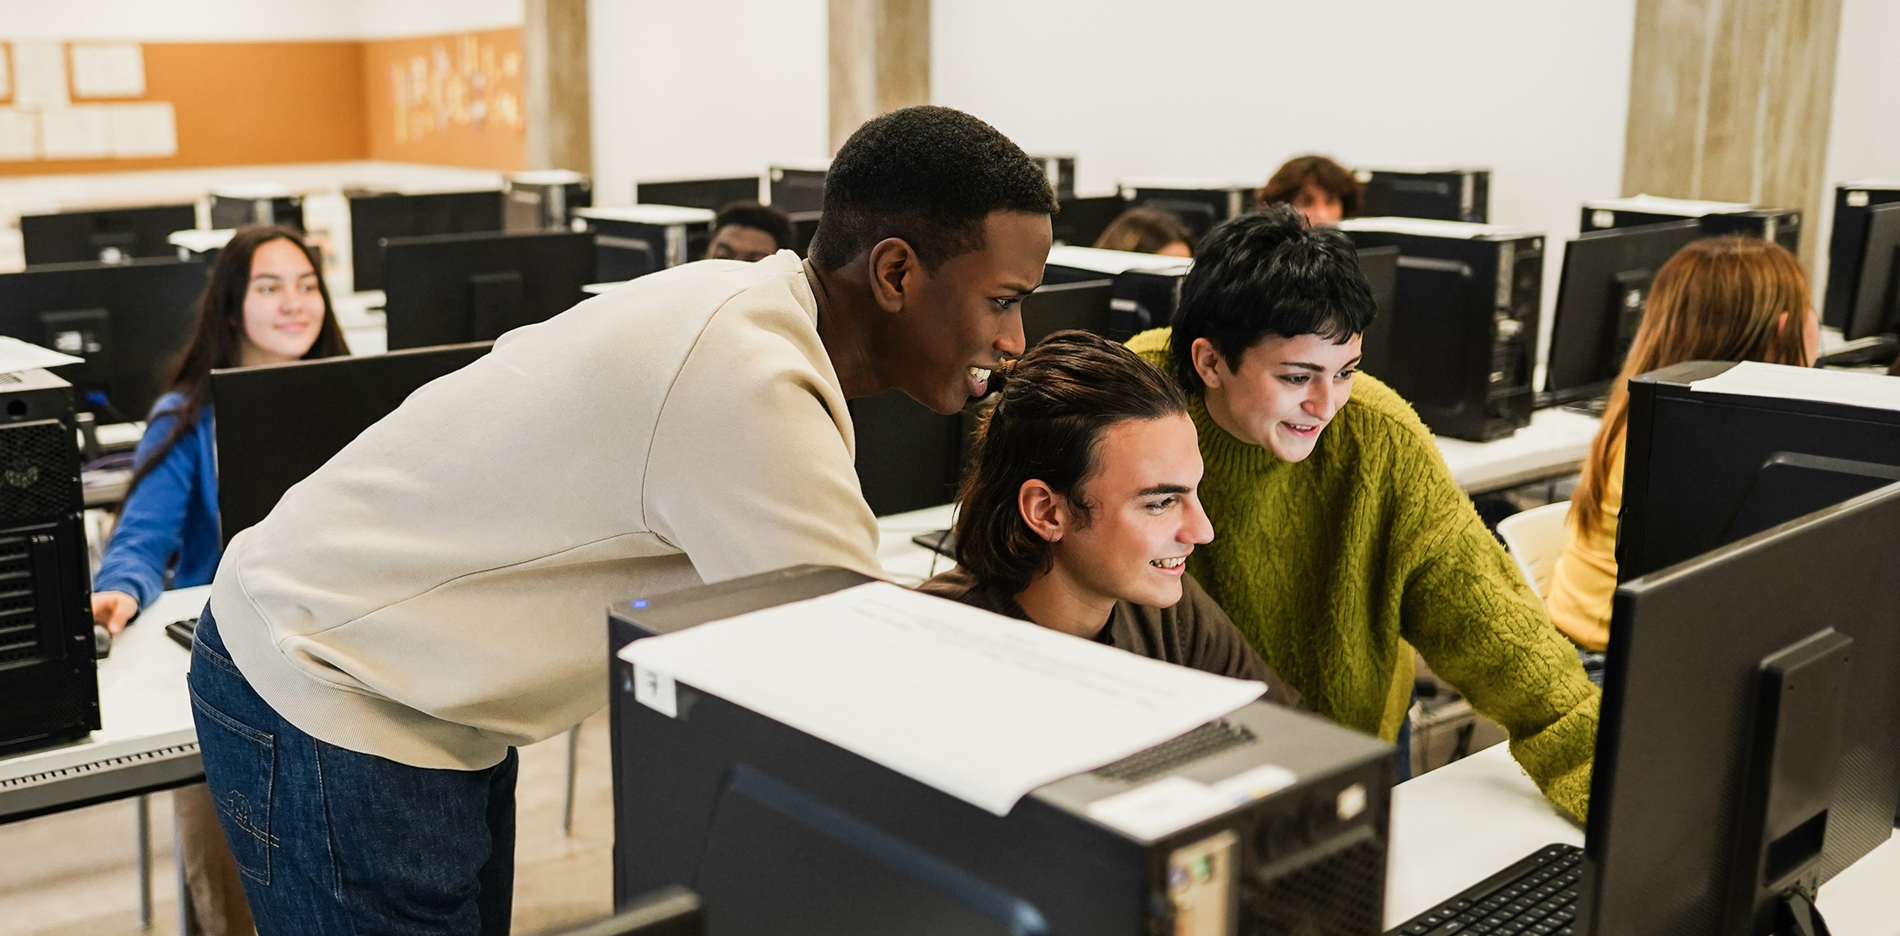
[
  {"x": 543, "y": 199},
  {"x": 781, "y": 833},
  {"x": 797, "y": 189},
  {"x": 49, "y": 686},
  {"x": 241, "y": 205},
  {"x": 1781, "y": 225},
  {"x": 1200, "y": 204},
  {"x": 1460, "y": 343},
  {"x": 1444, "y": 194}
]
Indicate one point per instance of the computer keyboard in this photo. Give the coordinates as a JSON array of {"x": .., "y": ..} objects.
[{"x": 1537, "y": 896}]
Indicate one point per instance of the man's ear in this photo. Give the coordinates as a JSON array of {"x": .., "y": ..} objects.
[
  {"x": 1045, "y": 511},
  {"x": 1207, "y": 362},
  {"x": 893, "y": 262}
]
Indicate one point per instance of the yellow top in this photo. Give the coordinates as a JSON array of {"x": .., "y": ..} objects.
[{"x": 1584, "y": 578}]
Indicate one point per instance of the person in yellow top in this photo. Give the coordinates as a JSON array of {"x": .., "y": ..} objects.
[{"x": 1727, "y": 298}]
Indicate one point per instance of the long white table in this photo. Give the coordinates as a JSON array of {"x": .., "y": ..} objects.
[
  {"x": 1552, "y": 446},
  {"x": 1464, "y": 822}
]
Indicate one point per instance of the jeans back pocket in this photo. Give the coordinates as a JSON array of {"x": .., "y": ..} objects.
[{"x": 240, "y": 767}]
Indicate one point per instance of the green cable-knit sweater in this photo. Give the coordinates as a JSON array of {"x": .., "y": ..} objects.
[{"x": 1336, "y": 566}]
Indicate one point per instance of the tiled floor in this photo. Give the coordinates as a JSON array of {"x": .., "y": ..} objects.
[{"x": 75, "y": 873}]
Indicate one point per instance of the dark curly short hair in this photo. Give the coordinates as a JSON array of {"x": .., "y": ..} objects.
[
  {"x": 928, "y": 175},
  {"x": 1263, "y": 274},
  {"x": 771, "y": 220},
  {"x": 1046, "y": 425}
]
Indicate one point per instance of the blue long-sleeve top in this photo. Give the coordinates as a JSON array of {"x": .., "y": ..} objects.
[{"x": 170, "y": 521}]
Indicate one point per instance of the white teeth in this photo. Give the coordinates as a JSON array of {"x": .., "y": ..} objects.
[
  {"x": 1174, "y": 563},
  {"x": 979, "y": 374}
]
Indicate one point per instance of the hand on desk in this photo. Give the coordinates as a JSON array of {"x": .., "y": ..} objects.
[{"x": 113, "y": 609}]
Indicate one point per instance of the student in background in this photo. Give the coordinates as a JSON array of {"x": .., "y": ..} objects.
[
  {"x": 750, "y": 232},
  {"x": 1079, "y": 511},
  {"x": 264, "y": 303},
  {"x": 1319, "y": 188},
  {"x": 1729, "y": 298},
  {"x": 1344, "y": 542},
  {"x": 1148, "y": 230}
]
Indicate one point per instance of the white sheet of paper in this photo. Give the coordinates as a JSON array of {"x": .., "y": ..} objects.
[
  {"x": 114, "y": 70},
  {"x": 19, "y": 135},
  {"x": 1752, "y": 378},
  {"x": 17, "y": 355},
  {"x": 145, "y": 130},
  {"x": 82, "y": 132},
  {"x": 39, "y": 75},
  {"x": 980, "y": 706}
]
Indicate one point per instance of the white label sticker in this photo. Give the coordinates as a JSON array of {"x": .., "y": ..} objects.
[
  {"x": 1164, "y": 806},
  {"x": 1261, "y": 781},
  {"x": 1856, "y": 199},
  {"x": 654, "y": 690}
]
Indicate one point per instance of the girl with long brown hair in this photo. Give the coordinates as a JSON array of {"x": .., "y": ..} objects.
[{"x": 1718, "y": 299}]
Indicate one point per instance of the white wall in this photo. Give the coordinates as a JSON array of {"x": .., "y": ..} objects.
[
  {"x": 1864, "y": 133},
  {"x": 250, "y": 20},
  {"x": 1538, "y": 92},
  {"x": 690, "y": 90}
]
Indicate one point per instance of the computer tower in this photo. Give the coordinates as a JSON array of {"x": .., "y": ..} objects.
[
  {"x": 1147, "y": 286},
  {"x": 797, "y": 188},
  {"x": 1061, "y": 172},
  {"x": 1852, "y": 201},
  {"x": 543, "y": 199},
  {"x": 236, "y": 206},
  {"x": 49, "y": 686},
  {"x": 1461, "y": 345},
  {"x": 1444, "y": 194},
  {"x": 634, "y": 240},
  {"x": 1199, "y": 203},
  {"x": 1781, "y": 225},
  {"x": 779, "y": 832}
]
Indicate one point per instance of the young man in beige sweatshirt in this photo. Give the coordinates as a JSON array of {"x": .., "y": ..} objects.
[{"x": 433, "y": 597}]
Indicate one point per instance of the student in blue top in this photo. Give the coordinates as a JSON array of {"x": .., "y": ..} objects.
[{"x": 265, "y": 303}]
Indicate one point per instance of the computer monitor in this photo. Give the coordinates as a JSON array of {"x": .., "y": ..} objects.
[
  {"x": 1053, "y": 307},
  {"x": 710, "y": 194},
  {"x": 1747, "y": 751},
  {"x": 1199, "y": 203},
  {"x": 1701, "y": 467},
  {"x": 1443, "y": 194},
  {"x": 804, "y": 228},
  {"x": 375, "y": 216},
  {"x": 797, "y": 188},
  {"x": 128, "y": 320},
  {"x": 1600, "y": 301},
  {"x": 909, "y": 456},
  {"x": 277, "y": 423},
  {"x": 1080, "y": 221},
  {"x": 631, "y": 241},
  {"x": 106, "y": 235},
  {"x": 1147, "y": 286},
  {"x": 1852, "y": 201},
  {"x": 452, "y": 288},
  {"x": 1875, "y": 306},
  {"x": 1380, "y": 266}
]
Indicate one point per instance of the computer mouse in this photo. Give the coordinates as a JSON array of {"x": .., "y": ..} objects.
[{"x": 101, "y": 642}]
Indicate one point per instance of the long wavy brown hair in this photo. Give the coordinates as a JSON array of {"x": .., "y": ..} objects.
[{"x": 1728, "y": 298}]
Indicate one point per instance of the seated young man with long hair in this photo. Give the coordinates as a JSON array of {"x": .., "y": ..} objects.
[{"x": 1079, "y": 511}]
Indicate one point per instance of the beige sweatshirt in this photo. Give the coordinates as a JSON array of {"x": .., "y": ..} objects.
[{"x": 438, "y": 590}]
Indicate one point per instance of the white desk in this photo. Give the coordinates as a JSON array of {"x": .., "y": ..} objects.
[
  {"x": 147, "y": 741},
  {"x": 1553, "y": 445},
  {"x": 1462, "y": 823},
  {"x": 907, "y": 563}
]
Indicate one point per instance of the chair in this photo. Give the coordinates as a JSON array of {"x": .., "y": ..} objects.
[{"x": 1535, "y": 538}]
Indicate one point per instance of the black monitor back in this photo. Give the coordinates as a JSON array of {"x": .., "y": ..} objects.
[
  {"x": 1600, "y": 301},
  {"x": 128, "y": 320},
  {"x": 1079, "y": 221},
  {"x": 374, "y": 217},
  {"x": 1380, "y": 266},
  {"x": 909, "y": 457},
  {"x": 454, "y": 288},
  {"x": 1462, "y": 195},
  {"x": 1691, "y": 785},
  {"x": 88, "y": 236},
  {"x": 279, "y": 422},
  {"x": 1846, "y": 244},
  {"x": 1692, "y": 461},
  {"x": 1054, "y": 307},
  {"x": 710, "y": 194},
  {"x": 1875, "y": 308}
]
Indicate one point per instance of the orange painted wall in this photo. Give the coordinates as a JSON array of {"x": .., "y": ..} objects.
[
  {"x": 447, "y": 100},
  {"x": 244, "y": 103}
]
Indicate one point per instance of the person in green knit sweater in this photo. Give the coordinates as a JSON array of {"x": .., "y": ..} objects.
[{"x": 1342, "y": 540}]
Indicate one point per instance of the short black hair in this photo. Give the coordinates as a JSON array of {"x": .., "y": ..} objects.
[
  {"x": 1047, "y": 424},
  {"x": 928, "y": 175},
  {"x": 1268, "y": 274},
  {"x": 771, "y": 220}
]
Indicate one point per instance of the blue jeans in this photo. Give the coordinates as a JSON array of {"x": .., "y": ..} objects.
[{"x": 329, "y": 840}]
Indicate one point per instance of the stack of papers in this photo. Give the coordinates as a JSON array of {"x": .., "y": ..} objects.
[
  {"x": 1753, "y": 378},
  {"x": 17, "y": 355},
  {"x": 980, "y": 706}
]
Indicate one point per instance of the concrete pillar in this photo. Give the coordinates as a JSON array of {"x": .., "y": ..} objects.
[
  {"x": 555, "y": 82},
  {"x": 1730, "y": 99},
  {"x": 880, "y": 60}
]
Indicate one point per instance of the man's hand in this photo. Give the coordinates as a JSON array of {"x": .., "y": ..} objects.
[{"x": 113, "y": 609}]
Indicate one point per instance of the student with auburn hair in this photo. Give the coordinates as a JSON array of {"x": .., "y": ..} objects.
[
  {"x": 264, "y": 303},
  {"x": 1148, "y": 230},
  {"x": 1080, "y": 510},
  {"x": 1728, "y": 298},
  {"x": 1317, "y": 187},
  {"x": 1344, "y": 542}
]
